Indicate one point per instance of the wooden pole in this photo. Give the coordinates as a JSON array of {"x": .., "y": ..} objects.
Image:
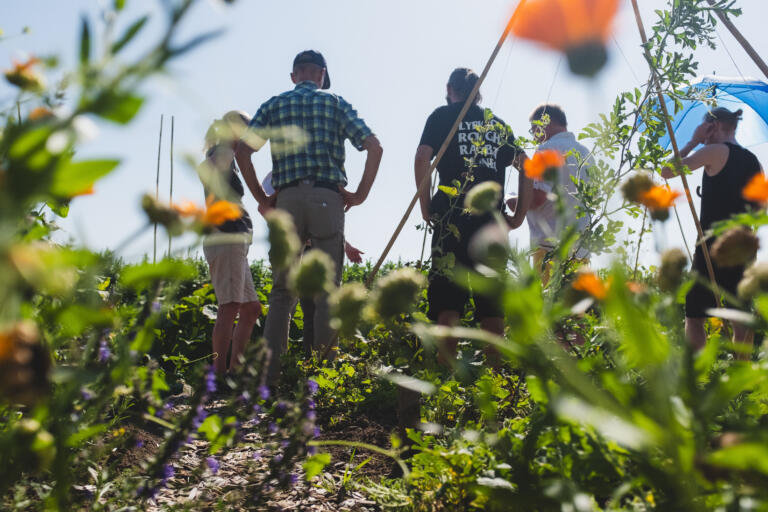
[
  {"x": 157, "y": 186},
  {"x": 170, "y": 237},
  {"x": 741, "y": 39},
  {"x": 678, "y": 160},
  {"x": 427, "y": 177}
]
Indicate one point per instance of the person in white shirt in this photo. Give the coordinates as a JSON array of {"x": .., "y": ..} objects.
[{"x": 549, "y": 127}]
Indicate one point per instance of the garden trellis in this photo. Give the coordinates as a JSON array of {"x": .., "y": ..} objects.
[{"x": 652, "y": 84}]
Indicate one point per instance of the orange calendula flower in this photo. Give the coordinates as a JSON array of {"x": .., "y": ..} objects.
[
  {"x": 636, "y": 288},
  {"x": 40, "y": 113},
  {"x": 578, "y": 28},
  {"x": 589, "y": 282},
  {"x": 757, "y": 189},
  {"x": 659, "y": 197},
  {"x": 219, "y": 212},
  {"x": 25, "y": 75},
  {"x": 543, "y": 161},
  {"x": 188, "y": 209}
]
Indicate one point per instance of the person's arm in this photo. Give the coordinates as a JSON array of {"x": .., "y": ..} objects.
[
  {"x": 243, "y": 153},
  {"x": 698, "y": 159},
  {"x": 525, "y": 193},
  {"x": 373, "y": 147},
  {"x": 421, "y": 163}
]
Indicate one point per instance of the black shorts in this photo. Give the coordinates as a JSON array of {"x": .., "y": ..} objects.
[
  {"x": 443, "y": 293},
  {"x": 700, "y": 298}
]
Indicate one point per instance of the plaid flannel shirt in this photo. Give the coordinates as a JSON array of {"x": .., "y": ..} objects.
[{"x": 307, "y": 128}]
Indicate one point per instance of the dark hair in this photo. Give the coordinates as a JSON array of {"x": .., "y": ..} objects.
[
  {"x": 462, "y": 81},
  {"x": 555, "y": 113},
  {"x": 725, "y": 116}
]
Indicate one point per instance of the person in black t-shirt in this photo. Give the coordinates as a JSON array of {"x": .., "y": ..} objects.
[
  {"x": 728, "y": 167},
  {"x": 473, "y": 156},
  {"x": 226, "y": 248}
]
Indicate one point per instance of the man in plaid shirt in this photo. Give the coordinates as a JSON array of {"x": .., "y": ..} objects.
[{"x": 307, "y": 128}]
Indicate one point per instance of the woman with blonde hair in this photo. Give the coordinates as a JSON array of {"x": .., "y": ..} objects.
[{"x": 226, "y": 247}]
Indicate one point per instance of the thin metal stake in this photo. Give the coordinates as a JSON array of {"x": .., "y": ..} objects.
[
  {"x": 157, "y": 186},
  {"x": 170, "y": 237}
]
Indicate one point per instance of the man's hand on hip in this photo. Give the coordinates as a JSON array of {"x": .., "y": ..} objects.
[{"x": 350, "y": 198}]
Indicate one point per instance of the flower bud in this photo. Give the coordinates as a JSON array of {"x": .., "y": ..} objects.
[
  {"x": 396, "y": 293},
  {"x": 754, "y": 282},
  {"x": 735, "y": 247},
  {"x": 313, "y": 275},
  {"x": 284, "y": 245},
  {"x": 490, "y": 246},
  {"x": 673, "y": 263},
  {"x": 634, "y": 188},
  {"x": 483, "y": 198},
  {"x": 346, "y": 304},
  {"x": 161, "y": 214}
]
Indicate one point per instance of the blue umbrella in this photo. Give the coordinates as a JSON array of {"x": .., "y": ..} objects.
[{"x": 748, "y": 94}]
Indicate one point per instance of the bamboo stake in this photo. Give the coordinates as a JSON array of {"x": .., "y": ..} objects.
[
  {"x": 170, "y": 237},
  {"x": 678, "y": 160},
  {"x": 157, "y": 186},
  {"x": 741, "y": 39},
  {"x": 427, "y": 177}
]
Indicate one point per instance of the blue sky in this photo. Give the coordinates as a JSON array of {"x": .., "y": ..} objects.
[{"x": 390, "y": 59}]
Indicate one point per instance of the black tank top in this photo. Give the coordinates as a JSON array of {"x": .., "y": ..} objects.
[
  {"x": 244, "y": 223},
  {"x": 721, "y": 194}
]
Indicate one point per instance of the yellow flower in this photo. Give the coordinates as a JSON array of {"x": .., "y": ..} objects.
[
  {"x": 543, "y": 161},
  {"x": 590, "y": 283},
  {"x": 219, "y": 212},
  {"x": 187, "y": 209},
  {"x": 757, "y": 189}
]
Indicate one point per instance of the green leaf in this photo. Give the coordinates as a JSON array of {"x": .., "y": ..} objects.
[
  {"x": 411, "y": 383},
  {"x": 85, "y": 42},
  {"x": 142, "y": 275},
  {"x": 315, "y": 464},
  {"x": 449, "y": 191},
  {"x": 211, "y": 427},
  {"x": 746, "y": 456},
  {"x": 85, "y": 434},
  {"x": 119, "y": 5},
  {"x": 129, "y": 34},
  {"x": 73, "y": 178},
  {"x": 119, "y": 107}
]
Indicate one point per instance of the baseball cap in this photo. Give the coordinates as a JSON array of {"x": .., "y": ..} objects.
[{"x": 313, "y": 57}]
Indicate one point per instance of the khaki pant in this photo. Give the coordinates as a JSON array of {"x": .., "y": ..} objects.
[{"x": 319, "y": 217}]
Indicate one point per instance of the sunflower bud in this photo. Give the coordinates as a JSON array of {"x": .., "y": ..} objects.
[
  {"x": 673, "y": 263},
  {"x": 347, "y": 305},
  {"x": 636, "y": 186},
  {"x": 483, "y": 198},
  {"x": 735, "y": 247},
  {"x": 284, "y": 245},
  {"x": 24, "y": 364},
  {"x": 313, "y": 275},
  {"x": 490, "y": 246},
  {"x": 396, "y": 293},
  {"x": 754, "y": 282},
  {"x": 588, "y": 58}
]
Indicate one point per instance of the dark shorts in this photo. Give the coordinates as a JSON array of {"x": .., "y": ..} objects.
[
  {"x": 700, "y": 298},
  {"x": 444, "y": 293}
]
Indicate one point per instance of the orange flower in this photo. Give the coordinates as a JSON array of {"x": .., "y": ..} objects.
[
  {"x": 219, "y": 212},
  {"x": 40, "y": 113},
  {"x": 659, "y": 197},
  {"x": 24, "y": 75},
  {"x": 579, "y": 28},
  {"x": 542, "y": 161},
  {"x": 757, "y": 189},
  {"x": 636, "y": 288},
  {"x": 187, "y": 209},
  {"x": 89, "y": 191},
  {"x": 590, "y": 283}
]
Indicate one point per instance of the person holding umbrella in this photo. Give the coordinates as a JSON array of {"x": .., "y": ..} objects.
[{"x": 728, "y": 167}]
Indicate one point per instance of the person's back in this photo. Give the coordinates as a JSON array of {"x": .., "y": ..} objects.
[{"x": 721, "y": 194}]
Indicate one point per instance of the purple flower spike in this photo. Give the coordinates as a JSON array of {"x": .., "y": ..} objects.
[
  {"x": 312, "y": 386},
  {"x": 294, "y": 478},
  {"x": 264, "y": 392},
  {"x": 311, "y": 450},
  {"x": 213, "y": 464},
  {"x": 104, "y": 351},
  {"x": 272, "y": 428},
  {"x": 200, "y": 417},
  {"x": 284, "y": 444},
  {"x": 139, "y": 443},
  {"x": 87, "y": 395},
  {"x": 256, "y": 408},
  {"x": 168, "y": 473},
  {"x": 311, "y": 415},
  {"x": 210, "y": 380},
  {"x": 311, "y": 404},
  {"x": 257, "y": 455},
  {"x": 278, "y": 458},
  {"x": 316, "y": 432},
  {"x": 156, "y": 307}
]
